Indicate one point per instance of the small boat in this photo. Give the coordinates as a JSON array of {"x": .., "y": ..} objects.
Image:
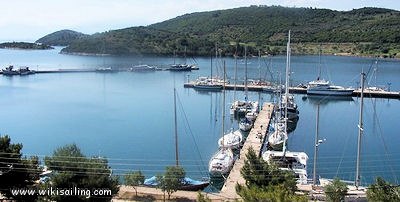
[
  {"x": 231, "y": 140},
  {"x": 221, "y": 162},
  {"x": 322, "y": 87},
  {"x": 245, "y": 125}
]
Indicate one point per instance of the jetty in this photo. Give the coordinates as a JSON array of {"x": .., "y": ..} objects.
[
  {"x": 254, "y": 140},
  {"x": 302, "y": 90}
]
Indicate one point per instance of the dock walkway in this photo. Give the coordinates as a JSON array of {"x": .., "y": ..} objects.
[
  {"x": 254, "y": 140},
  {"x": 300, "y": 90}
]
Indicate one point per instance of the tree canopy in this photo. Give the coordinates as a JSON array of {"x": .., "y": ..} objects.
[
  {"x": 134, "y": 179},
  {"x": 336, "y": 191},
  {"x": 73, "y": 169},
  {"x": 16, "y": 171},
  {"x": 383, "y": 191},
  {"x": 171, "y": 180},
  {"x": 367, "y": 30},
  {"x": 266, "y": 182}
]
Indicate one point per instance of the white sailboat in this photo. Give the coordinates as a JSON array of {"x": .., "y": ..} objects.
[
  {"x": 231, "y": 140},
  {"x": 288, "y": 160},
  {"x": 222, "y": 161},
  {"x": 277, "y": 138},
  {"x": 241, "y": 108}
]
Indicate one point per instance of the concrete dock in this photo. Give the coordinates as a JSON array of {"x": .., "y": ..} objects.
[
  {"x": 300, "y": 90},
  {"x": 254, "y": 140}
]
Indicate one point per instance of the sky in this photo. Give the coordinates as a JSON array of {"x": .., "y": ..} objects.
[{"x": 27, "y": 20}]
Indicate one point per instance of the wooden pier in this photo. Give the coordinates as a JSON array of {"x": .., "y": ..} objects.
[
  {"x": 254, "y": 140},
  {"x": 300, "y": 90}
]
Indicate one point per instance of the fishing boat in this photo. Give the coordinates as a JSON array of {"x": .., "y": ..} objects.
[
  {"x": 222, "y": 161},
  {"x": 187, "y": 184},
  {"x": 287, "y": 160}
]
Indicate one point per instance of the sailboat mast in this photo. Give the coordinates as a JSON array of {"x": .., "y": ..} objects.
[
  {"x": 286, "y": 88},
  {"x": 223, "y": 106},
  {"x": 319, "y": 64},
  {"x": 360, "y": 132},
  {"x": 316, "y": 146},
  {"x": 211, "y": 65},
  {"x": 245, "y": 72},
  {"x": 234, "y": 89},
  {"x": 176, "y": 131}
]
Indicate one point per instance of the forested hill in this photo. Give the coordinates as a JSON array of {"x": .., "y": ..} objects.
[
  {"x": 364, "y": 31},
  {"x": 60, "y": 38}
]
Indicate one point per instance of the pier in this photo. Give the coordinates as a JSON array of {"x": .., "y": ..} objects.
[
  {"x": 300, "y": 90},
  {"x": 254, "y": 140}
]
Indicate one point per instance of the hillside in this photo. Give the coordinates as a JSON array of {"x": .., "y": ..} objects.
[
  {"x": 24, "y": 45},
  {"x": 60, "y": 38},
  {"x": 365, "y": 31}
]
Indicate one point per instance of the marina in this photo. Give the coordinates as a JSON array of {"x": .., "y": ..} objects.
[{"x": 115, "y": 108}]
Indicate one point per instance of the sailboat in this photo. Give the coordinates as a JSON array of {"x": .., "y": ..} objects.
[
  {"x": 232, "y": 140},
  {"x": 222, "y": 161},
  {"x": 241, "y": 108},
  {"x": 187, "y": 184},
  {"x": 209, "y": 83},
  {"x": 288, "y": 160},
  {"x": 323, "y": 87}
]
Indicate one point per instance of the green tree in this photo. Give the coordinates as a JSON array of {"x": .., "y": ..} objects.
[
  {"x": 383, "y": 191},
  {"x": 171, "y": 180},
  {"x": 134, "y": 179},
  {"x": 73, "y": 170},
  {"x": 336, "y": 191},
  {"x": 266, "y": 182},
  {"x": 271, "y": 193},
  {"x": 16, "y": 172},
  {"x": 202, "y": 198}
]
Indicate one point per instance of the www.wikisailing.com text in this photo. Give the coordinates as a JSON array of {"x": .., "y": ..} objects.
[{"x": 74, "y": 191}]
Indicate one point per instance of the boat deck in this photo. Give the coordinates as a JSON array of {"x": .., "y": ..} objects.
[{"x": 254, "y": 140}]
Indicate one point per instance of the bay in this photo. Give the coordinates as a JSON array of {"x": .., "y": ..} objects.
[{"x": 128, "y": 116}]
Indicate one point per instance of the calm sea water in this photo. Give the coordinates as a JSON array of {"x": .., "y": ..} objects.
[{"x": 128, "y": 117}]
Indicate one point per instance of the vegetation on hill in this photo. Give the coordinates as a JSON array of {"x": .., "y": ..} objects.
[
  {"x": 365, "y": 31},
  {"x": 61, "y": 38},
  {"x": 25, "y": 45}
]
